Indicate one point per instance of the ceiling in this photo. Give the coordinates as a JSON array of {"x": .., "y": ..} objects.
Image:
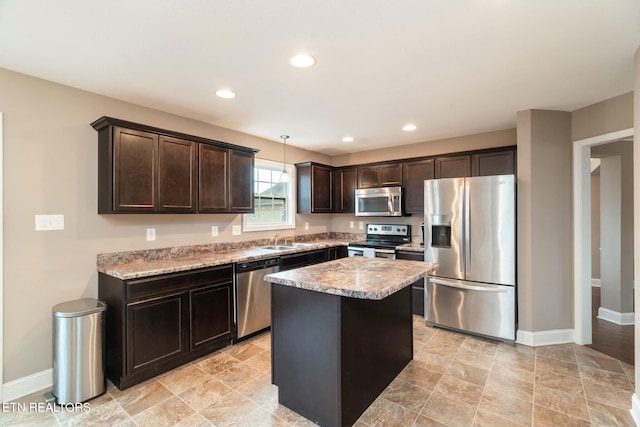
[{"x": 451, "y": 67}]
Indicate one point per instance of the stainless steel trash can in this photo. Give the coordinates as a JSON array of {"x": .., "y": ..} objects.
[{"x": 78, "y": 350}]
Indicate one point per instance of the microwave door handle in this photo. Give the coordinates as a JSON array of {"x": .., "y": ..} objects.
[{"x": 390, "y": 203}]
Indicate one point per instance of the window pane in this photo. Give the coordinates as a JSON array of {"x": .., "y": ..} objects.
[
  {"x": 264, "y": 188},
  {"x": 264, "y": 175}
]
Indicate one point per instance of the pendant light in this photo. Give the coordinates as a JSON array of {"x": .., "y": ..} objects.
[{"x": 284, "y": 176}]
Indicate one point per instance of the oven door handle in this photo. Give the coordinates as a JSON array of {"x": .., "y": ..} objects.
[{"x": 385, "y": 251}]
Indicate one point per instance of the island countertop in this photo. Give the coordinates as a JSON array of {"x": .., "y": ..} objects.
[{"x": 355, "y": 277}]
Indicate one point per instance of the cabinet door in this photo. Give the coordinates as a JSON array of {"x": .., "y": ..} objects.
[
  {"x": 156, "y": 331},
  {"x": 493, "y": 163},
  {"x": 336, "y": 252},
  {"x": 368, "y": 176},
  {"x": 321, "y": 189},
  {"x": 135, "y": 164},
  {"x": 453, "y": 167},
  {"x": 345, "y": 190},
  {"x": 391, "y": 175},
  {"x": 213, "y": 182},
  {"x": 414, "y": 174},
  {"x": 210, "y": 315},
  {"x": 240, "y": 181},
  {"x": 177, "y": 179}
]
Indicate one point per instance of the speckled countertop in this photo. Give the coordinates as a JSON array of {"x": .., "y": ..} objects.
[
  {"x": 411, "y": 247},
  {"x": 136, "y": 268},
  {"x": 355, "y": 277}
]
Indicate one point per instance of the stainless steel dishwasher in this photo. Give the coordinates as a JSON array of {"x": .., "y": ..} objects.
[{"x": 253, "y": 295}]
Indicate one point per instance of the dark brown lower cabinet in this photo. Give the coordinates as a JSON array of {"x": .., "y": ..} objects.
[
  {"x": 155, "y": 324},
  {"x": 417, "y": 288}
]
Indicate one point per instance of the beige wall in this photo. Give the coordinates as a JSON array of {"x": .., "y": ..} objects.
[
  {"x": 636, "y": 218},
  {"x": 603, "y": 117},
  {"x": 616, "y": 185},
  {"x": 50, "y": 153},
  {"x": 595, "y": 225},
  {"x": 499, "y": 138},
  {"x": 545, "y": 220}
]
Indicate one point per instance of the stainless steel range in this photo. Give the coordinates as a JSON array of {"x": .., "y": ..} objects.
[{"x": 381, "y": 241}]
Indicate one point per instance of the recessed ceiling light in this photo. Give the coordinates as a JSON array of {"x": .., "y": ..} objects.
[
  {"x": 302, "y": 61},
  {"x": 347, "y": 139},
  {"x": 225, "y": 93},
  {"x": 409, "y": 127}
]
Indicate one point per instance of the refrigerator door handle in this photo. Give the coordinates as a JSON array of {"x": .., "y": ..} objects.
[
  {"x": 501, "y": 289},
  {"x": 461, "y": 240},
  {"x": 467, "y": 229}
]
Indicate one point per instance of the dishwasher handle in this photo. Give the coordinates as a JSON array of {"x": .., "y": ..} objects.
[{"x": 257, "y": 265}]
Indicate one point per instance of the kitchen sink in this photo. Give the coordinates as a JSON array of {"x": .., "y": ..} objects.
[
  {"x": 278, "y": 247},
  {"x": 303, "y": 245}
]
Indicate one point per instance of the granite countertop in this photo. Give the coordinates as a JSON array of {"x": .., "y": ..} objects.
[
  {"x": 411, "y": 247},
  {"x": 145, "y": 268},
  {"x": 355, "y": 277}
]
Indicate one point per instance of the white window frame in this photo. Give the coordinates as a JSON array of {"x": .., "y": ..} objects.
[{"x": 291, "y": 205}]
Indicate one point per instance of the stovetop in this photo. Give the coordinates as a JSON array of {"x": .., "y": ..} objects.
[{"x": 385, "y": 236}]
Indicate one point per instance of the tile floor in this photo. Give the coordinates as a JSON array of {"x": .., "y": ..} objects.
[{"x": 454, "y": 380}]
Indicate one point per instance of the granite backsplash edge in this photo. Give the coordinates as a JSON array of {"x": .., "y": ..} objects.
[{"x": 193, "y": 250}]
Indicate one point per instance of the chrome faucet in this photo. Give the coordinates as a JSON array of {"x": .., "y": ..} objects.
[{"x": 275, "y": 239}]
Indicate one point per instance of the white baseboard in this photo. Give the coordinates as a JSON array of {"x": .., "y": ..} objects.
[
  {"x": 595, "y": 282},
  {"x": 537, "y": 339},
  {"x": 26, "y": 385},
  {"x": 616, "y": 317},
  {"x": 635, "y": 409}
]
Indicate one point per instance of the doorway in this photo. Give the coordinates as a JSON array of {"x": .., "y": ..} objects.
[{"x": 582, "y": 270}]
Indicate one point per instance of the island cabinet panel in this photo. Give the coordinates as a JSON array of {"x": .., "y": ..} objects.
[
  {"x": 413, "y": 176},
  {"x": 177, "y": 177},
  {"x": 383, "y": 175},
  {"x": 157, "y": 323},
  {"x": 332, "y": 356},
  {"x": 133, "y": 172},
  {"x": 453, "y": 166},
  {"x": 142, "y": 169},
  {"x": 315, "y": 192},
  {"x": 346, "y": 183},
  {"x": 493, "y": 163}
]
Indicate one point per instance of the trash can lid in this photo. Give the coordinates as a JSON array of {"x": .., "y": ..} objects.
[{"x": 79, "y": 307}]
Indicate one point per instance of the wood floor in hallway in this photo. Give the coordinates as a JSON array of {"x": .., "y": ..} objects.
[{"x": 608, "y": 338}]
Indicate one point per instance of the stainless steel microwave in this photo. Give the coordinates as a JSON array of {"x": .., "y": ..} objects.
[{"x": 383, "y": 201}]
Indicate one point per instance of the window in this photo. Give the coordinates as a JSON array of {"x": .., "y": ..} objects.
[{"x": 273, "y": 199}]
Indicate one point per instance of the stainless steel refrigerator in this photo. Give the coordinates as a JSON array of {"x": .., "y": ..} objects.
[{"x": 470, "y": 228}]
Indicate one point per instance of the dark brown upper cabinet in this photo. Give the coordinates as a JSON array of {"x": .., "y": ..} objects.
[
  {"x": 177, "y": 178},
  {"x": 143, "y": 169},
  {"x": 453, "y": 166},
  {"x": 382, "y": 175},
  {"x": 493, "y": 163},
  {"x": 346, "y": 181},
  {"x": 413, "y": 176},
  {"x": 315, "y": 188}
]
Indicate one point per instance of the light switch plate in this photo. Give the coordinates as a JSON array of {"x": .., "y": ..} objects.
[
  {"x": 306, "y": 225},
  {"x": 236, "y": 230},
  {"x": 351, "y": 224},
  {"x": 214, "y": 231},
  {"x": 361, "y": 225},
  {"x": 49, "y": 222},
  {"x": 151, "y": 234}
]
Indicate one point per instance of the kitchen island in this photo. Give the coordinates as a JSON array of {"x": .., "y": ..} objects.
[{"x": 341, "y": 332}]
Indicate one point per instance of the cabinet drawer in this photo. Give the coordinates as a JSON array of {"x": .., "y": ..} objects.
[{"x": 175, "y": 282}]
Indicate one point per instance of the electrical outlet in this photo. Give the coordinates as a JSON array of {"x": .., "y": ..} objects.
[
  {"x": 306, "y": 225},
  {"x": 361, "y": 225},
  {"x": 49, "y": 222},
  {"x": 151, "y": 234},
  {"x": 236, "y": 230},
  {"x": 214, "y": 231},
  {"x": 351, "y": 224}
]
